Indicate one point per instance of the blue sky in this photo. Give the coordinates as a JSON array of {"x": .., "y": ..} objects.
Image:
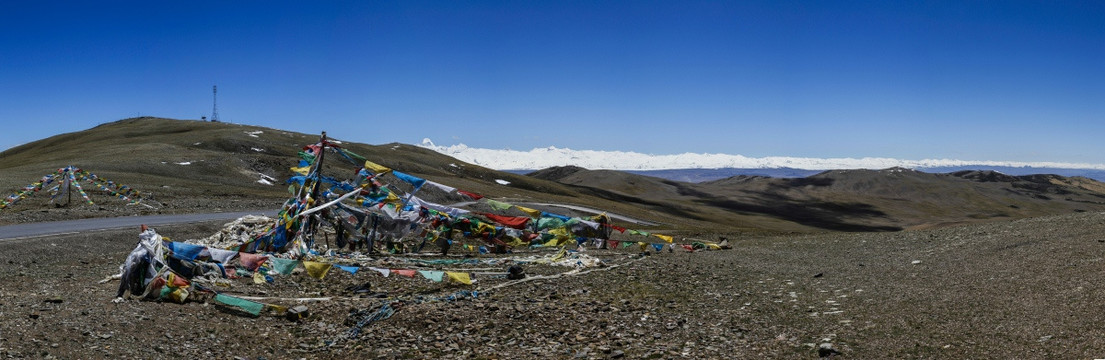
[{"x": 970, "y": 80}]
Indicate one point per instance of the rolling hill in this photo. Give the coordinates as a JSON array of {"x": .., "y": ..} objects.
[
  {"x": 181, "y": 163},
  {"x": 851, "y": 200}
]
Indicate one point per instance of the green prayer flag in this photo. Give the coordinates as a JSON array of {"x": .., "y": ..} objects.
[
  {"x": 246, "y": 305},
  {"x": 498, "y": 205},
  {"x": 284, "y": 266},
  {"x": 436, "y": 276}
]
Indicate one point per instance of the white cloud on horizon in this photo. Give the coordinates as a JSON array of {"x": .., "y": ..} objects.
[{"x": 540, "y": 158}]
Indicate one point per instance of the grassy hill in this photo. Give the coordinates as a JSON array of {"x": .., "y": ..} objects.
[
  {"x": 850, "y": 200},
  {"x": 182, "y": 163},
  {"x": 202, "y": 166}
]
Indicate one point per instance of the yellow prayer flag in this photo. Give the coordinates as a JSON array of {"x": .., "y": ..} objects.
[
  {"x": 533, "y": 213},
  {"x": 376, "y": 168},
  {"x": 459, "y": 277},
  {"x": 280, "y": 310},
  {"x": 667, "y": 238},
  {"x": 258, "y": 278},
  {"x": 317, "y": 269},
  {"x": 392, "y": 198},
  {"x": 303, "y": 170},
  {"x": 561, "y": 254}
]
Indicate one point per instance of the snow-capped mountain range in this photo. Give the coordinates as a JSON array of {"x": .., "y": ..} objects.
[{"x": 540, "y": 158}]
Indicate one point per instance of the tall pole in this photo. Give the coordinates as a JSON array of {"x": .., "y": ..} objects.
[
  {"x": 68, "y": 190},
  {"x": 215, "y": 103},
  {"x": 318, "y": 166},
  {"x": 309, "y": 222}
]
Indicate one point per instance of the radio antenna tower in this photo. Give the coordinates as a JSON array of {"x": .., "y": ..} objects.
[{"x": 215, "y": 103}]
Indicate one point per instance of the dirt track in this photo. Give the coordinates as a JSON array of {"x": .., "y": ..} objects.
[{"x": 1022, "y": 289}]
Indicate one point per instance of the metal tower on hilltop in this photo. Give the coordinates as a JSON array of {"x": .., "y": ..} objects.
[{"x": 215, "y": 103}]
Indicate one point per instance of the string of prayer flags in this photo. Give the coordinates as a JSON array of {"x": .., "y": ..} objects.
[{"x": 317, "y": 269}]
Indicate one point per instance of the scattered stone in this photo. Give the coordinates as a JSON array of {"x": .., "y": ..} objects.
[{"x": 826, "y": 350}]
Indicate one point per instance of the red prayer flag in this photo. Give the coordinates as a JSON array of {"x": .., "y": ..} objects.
[
  {"x": 517, "y": 222},
  {"x": 474, "y": 196},
  {"x": 251, "y": 261},
  {"x": 615, "y": 227},
  {"x": 404, "y": 272}
]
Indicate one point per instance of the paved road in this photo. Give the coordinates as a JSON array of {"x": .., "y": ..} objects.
[
  {"x": 40, "y": 229},
  {"x": 76, "y": 226}
]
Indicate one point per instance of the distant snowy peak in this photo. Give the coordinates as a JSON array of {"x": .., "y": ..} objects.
[{"x": 541, "y": 158}]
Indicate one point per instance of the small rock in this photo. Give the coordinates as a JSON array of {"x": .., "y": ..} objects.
[
  {"x": 617, "y": 354},
  {"x": 826, "y": 350}
]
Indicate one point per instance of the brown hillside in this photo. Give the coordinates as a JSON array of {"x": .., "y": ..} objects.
[
  {"x": 180, "y": 163},
  {"x": 858, "y": 200}
]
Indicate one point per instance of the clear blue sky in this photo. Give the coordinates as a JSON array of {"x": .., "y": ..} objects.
[{"x": 972, "y": 80}]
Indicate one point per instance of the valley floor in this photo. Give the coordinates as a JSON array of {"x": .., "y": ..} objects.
[{"x": 1028, "y": 288}]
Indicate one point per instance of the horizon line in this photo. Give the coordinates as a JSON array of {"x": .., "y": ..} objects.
[{"x": 541, "y": 158}]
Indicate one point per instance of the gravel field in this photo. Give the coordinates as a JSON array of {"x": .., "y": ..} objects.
[{"x": 1020, "y": 289}]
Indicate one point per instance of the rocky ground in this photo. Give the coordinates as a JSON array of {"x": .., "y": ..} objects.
[{"x": 1020, "y": 289}]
